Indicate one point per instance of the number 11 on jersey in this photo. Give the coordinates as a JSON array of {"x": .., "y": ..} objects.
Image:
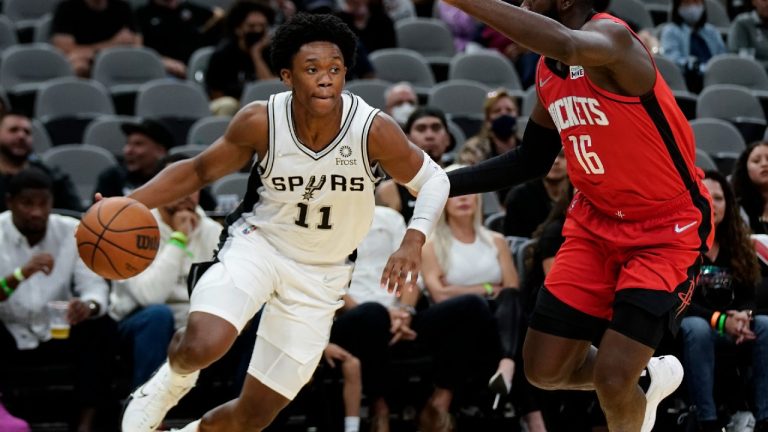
[{"x": 325, "y": 219}]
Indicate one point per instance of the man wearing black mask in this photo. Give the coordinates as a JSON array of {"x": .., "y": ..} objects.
[{"x": 242, "y": 57}]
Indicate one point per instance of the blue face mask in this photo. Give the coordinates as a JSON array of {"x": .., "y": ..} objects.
[
  {"x": 691, "y": 13},
  {"x": 504, "y": 126}
]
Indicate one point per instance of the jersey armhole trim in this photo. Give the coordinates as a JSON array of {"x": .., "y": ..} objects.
[
  {"x": 364, "y": 143},
  {"x": 270, "y": 159}
]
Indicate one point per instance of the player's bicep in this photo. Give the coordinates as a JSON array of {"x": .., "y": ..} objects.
[{"x": 388, "y": 145}]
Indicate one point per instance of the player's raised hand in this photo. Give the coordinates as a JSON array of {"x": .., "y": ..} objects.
[{"x": 403, "y": 267}]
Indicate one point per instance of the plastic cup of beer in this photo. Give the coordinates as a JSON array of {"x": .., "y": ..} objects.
[{"x": 59, "y": 323}]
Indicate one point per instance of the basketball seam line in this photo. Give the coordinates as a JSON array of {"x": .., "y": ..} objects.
[
  {"x": 106, "y": 227},
  {"x": 114, "y": 244}
]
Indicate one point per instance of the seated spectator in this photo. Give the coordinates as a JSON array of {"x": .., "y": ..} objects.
[
  {"x": 463, "y": 257},
  {"x": 146, "y": 144},
  {"x": 151, "y": 306},
  {"x": 750, "y": 185},
  {"x": 17, "y": 153},
  {"x": 499, "y": 131},
  {"x": 370, "y": 22},
  {"x": 748, "y": 34},
  {"x": 374, "y": 322},
  {"x": 352, "y": 389},
  {"x": 241, "y": 57},
  {"x": 176, "y": 28},
  {"x": 428, "y": 129},
  {"x": 721, "y": 311},
  {"x": 400, "y": 102},
  {"x": 529, "y": 203},
  {"x": 690, "y": 41},
  {"x": 81, "y": 28},
  {"x": 40, "y": 264}
]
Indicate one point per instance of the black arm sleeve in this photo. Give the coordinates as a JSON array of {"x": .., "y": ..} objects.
[{"x": 533, "y": 158}]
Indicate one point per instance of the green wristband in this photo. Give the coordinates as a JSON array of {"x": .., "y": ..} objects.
[
  {"x": 18, "y": 274},
  {"x": 488, "y": 288},
  {"x": 721, "y": 324},
  {"x": 179, "y": 244},
  {"x": 6, "y": 289},
  {"x": 180, "y": 236}
]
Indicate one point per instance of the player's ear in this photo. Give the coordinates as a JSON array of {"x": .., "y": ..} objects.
[{"x": 286, "y": 76}]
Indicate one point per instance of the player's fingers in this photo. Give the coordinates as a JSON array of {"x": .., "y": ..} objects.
[
  {"x": 394, "y": 278},
  {"x": 384, "y": 283},
  {"x": 395, "y": 338},
  {"x": 97, "y": 197}
]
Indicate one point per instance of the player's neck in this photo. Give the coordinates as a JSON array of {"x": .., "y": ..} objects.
[
  {"x": 315, "y": 131},
  {"x": 576, "y": 18}
]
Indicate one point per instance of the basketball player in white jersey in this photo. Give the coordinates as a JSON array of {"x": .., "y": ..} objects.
[{"x": 309, "y": 203}]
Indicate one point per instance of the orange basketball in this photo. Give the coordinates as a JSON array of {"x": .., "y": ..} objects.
[{"x": 118, "y": 238}]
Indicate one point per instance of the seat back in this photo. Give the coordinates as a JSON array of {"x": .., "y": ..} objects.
[
  {"x": 125, "y": 68},
  {"x": 83, "y": 163},
  {"x": 261, "y": 90},
  {"x": 459, "y": 97},
  {"x": 207, "y": 130},
  {"x": 31, "y": 64},
  {"x": 71, "y": 96},
  {"x": 737, "y": 70},
  {"x": 486, "y": 67},
  {"x": 372, "y": 91},
  {"x": 429, "y": 37}
]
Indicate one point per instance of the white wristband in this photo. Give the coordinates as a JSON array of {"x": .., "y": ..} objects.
[{"x": 432, "y": 186}]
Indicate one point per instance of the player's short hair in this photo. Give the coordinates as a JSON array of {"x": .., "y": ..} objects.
[
  {"x": 306, "y": 28},
  {"x": 29, "y": 178}
]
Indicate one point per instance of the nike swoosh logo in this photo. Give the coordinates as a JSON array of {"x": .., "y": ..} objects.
[
  {"x": 679, "y": 229},
  {"x": 542, "y": 83}
]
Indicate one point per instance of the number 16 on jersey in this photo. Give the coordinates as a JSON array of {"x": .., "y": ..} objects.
[{"x": 588, "y": 160}]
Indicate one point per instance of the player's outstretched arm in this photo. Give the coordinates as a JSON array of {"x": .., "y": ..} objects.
[
  {"x": 605, "y": 44},
  {"x": 246, "y": 134},
  {"x": 532, "y": 159},
  {"x": 410, "y": 166}
]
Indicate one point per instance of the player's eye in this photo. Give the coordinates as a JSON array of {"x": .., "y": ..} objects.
[
  {"x": 311, "y": 70},
  {"x": 335, "y": 69}
]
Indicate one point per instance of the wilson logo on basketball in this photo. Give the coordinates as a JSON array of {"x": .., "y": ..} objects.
[{"x": 144, "y": 242}]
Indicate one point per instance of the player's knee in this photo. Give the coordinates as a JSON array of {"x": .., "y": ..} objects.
[
  {"x": 351, "y": 368},
  {"x": 543, "y": 377},
  {"x": 613, "y": 383}
]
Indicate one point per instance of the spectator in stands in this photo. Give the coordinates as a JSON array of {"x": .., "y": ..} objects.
[
  {"x": 721, "y": 311},
  {"x": 463, "y": 257},
  {"x": 352, "y": 388},
  {"x": 428, "y": 129},
  {"x": 499, "y": 131},
  {"x": 81, "y": 28},
  {"x": 372, "y": 320},
  {"x": 748, "y": 34},
  {"x": 243, "y": 55},
  {"x": 529, "y": 203},
  {"x": 146, "y": 144},
  {"x": 690, "y": 41},
  {"x": 150, "y": 307},
  {"x": 463, "y": 27},
  {"x": 750, "y": 185},
  {"x": 370, "y": 22},
  {"x": 399, "y": 9},
  {"x": 176, "y": 28},
  {"x": 17, "y": 153},
  {"x": 400, "y": 102},
  {"x": 39, "y": 263}
]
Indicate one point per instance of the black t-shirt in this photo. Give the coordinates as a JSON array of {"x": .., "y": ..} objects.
[
  {"x": 547, "y": 246},
  {"x": 231, "y": 68},
  {"x": 88, "y": 26},
  {"x": 528, "y": 205},
  {"x": 706, "y": 299},
  {"x": 175, "y": 33}
]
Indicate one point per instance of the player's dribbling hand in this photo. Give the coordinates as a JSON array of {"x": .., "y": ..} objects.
[
  {"x": 41, "y": 262},
  {"x": 97, "y": 197},
  {"x": 403, "y": 266}
]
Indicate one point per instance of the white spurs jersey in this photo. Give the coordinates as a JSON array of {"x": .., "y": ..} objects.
[{"x": 315, "y": 207}]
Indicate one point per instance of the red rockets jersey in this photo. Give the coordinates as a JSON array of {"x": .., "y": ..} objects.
[{"x": 632, "y": 157}]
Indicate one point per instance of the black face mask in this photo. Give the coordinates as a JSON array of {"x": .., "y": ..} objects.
[
  {"x": 251, "y": 38},
  {"x": 504, "y": 126}
]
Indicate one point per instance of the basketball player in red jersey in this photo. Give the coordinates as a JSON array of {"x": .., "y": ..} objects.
[{"x": 626, "y": 270}]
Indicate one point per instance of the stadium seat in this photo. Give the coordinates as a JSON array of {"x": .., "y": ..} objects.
[
  {"x": 515, "y": 243},
  {"x": 717, "y": 15},
  {"x": 430, "y": 37},
  {"x": 7, "y": 33},
  {"x": 42, "y": 29},
  {"x": 67, "y": 105},
  {"x": 718, "y": 137},
  {"x": 398, "y": 64},
  {"x": 177, "y": 103},
  {"x": 123, "y": 70},
  {"x": 632, "y": 10},
  {"x": 529, "y": 101},
  {"x": 232, "y": 184},
  {"x": 735, "y": 104},
  {"x": 40, "y": 139},
  {"x": 261, "y": 90},
  {"x": 83, "y": 163},
  {"x": 207, "y": 130},
  {"x": 23, "y": 68},
  {"x": 459, "y": 97},
  {"x": 495, "y": 222},
  {"x": 105, "y": 132},
  {"x": 198, "y": 65},
  {"x": 371, "y": 90},
  {"x": 486, "y": 67},
  {"x": 25, "y": 13},
  {"x": 705, "y": 161},
  {"x": 737, "y": 70},
  {"x": 189, "y": 150}
]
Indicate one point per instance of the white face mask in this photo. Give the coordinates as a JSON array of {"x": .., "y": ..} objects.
[
  {"x": 401, "y": 112},
  {"x": 691, "y": 14}
]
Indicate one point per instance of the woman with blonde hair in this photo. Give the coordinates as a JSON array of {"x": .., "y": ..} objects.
[{"x": 463, "y": 257}]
